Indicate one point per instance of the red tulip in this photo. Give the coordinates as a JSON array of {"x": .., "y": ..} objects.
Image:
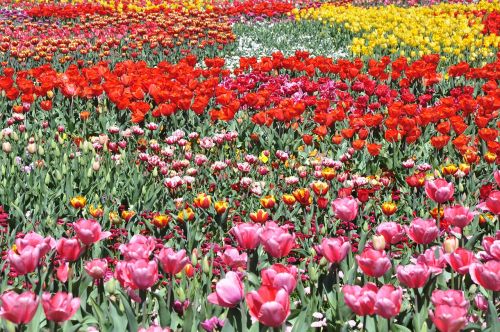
[
  {"x": 228, "y": 291},
  {"x": 247, "y": 235},
  {"x": 60, "y": 307},
  {"x": 276, "y": 240},
  {"x": 172, "y": 262},
  {"x": 459, "y": 216},
  {"x": 89, "y": 231},
  {"x": 69, "y": 249},
  {"x": 486, "y": 275},
  {"x": 361, "y": 300},
  {"x": 388, "y": 301},
  {"x": 346, "y": 209},
  {"x": 391, "y": 231},
  {"x": 423, "y": 231},
  {"x": 26, "y": 261},
  {"x": 18, "y": 308},
  {"x": 492, "y": 203},
  {"x": 413, "y": 275},
  {"x": 373, "y": 263},
  {"x": 439, "y": 190},
  {"x": 335, "y": 249},
  {"x": 280, "y": 276},
  {"x": 460, "y": 260},
  {"x": 269, "y": 305}
]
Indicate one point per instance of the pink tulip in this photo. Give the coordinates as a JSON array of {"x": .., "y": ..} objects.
[
  {"x": 481, "y": 302},
  {"x": 232, "y": 258},
  {"x": 423, "y": 231},
  {"x": 97, "y": 268},
  {"x": 373, "y": 263},
  {"x": 361, "y": 300},
  {"x": 247, "y": 235},
  {"x": 388, "y": 302},
  {"x": 492, "y": 203},
  {"x": 69, "y": 249},
  {"x": 413, "y": 275},
  {"x": 277, "y": 242},
  {"x": 496, "y": 175},
  {"x": 143, "y": 274},
  {"x": 459, "y": 216},
  {"x": 123, "y": 276},
  {"x": 439, "y": 190},
  {"x": 268, "y": 305},
  {"x": 335, "y": 249},
  {"x": 491, "y": 247},
  {"x": 434, "y": 258},
  {"x": 280, "y": 276},
  {"x": 18, "y": 308},
  {"x": 172, "y": 262},
  {"x": 89, "y": 231},
  {"x": 62, "y": 272},
  {"x": 448, "y": 318},
  {"x": 139, "y": 247},
  {"x": 392, "y": 232},
  {"x": 26, "y": 261},
  {"x": 486, "y": 275},
  {"x": 450, "y": 297},
  {"x": 346, "y": 209},
  {"x": 460, "y": 260},
  {"x": 35, "y": 240},
  {"x": 60, "y": 307},
  {"x": 228, "y": 291}
]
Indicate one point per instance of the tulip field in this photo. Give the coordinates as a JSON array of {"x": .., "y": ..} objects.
[{"x": 250, "y": 165}]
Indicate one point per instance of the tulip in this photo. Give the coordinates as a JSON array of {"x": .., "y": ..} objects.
[
  {"x": 78, "y": 202},
  {"x": 268, "y": 202},
  {"x": 459, "y": 216},
  {"x": 276, "y": 241},
  {"x": 320, "y": 188},
  {"x": 486, "y": 275},
  {"x": 69, "y": 249},
  {"x": 62, "y": 272},
  {"x": 270, "y": 306},
  {"x": 60, "y": 307},
  {"x": 232, "y": 258},
  {"x": 423, "y": 231},
  {"x": 346, "y": 209},
  {"x": 439, "y": 190},
  {"x": 172, "y": 262},
  {"x": 303, "y": 196},
  {"x": 96, "y": 268},
  {"x": 142, "y": 274},
  {"x": 492, "y": 203},
  {"x": 221, "y": 206},
  {"x": 389, "y": 208},
  {"x": 388, "y": 301},
  {"x": 139, "y": 247},
  {"x": 481, "y": 302},
  {"x": 261, "y": 216},
  {"x": 413, "y": 275},
  {"x": 496, "y": 175},
  {"x": 373, "y": 263},
  {"x": 335, "y": 249},
  {"x": 202, "y": 201},
  {"x": 434, "y": 258},
  {"x": 450, "y": 244},
  {"x": 280, "y": 276},
  {"x": 26, "y": 261},
  {"x": 18, "y": 308},
  {"x": 460, "y": 260},
  {"x": 391, "y": 231},
  {"x": 88, "y": 231},
  {"x": 6, "y": 147},
  {"x": 361, "y": 300},
  {"x": 451, "y": 297},
  {"x": 212, "y": 324},
  {"x": 247, "y": 235},
  {"x": 378, "y": 242},
  {"x": 228, "y": 291},
  {"x": 449, "y": 318},
  {"x": 44, "y": 244}
]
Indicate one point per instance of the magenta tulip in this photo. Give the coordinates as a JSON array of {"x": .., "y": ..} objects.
[
  {"x": 139, "y": 247},
  {"x": 451, "y": 297},
  {"x": 143, "y": 274},
  {"x": 492, "y": 203},
  {"x": 24, "y": 262},
  {"x": 97, "y": 268},
  {"x": 449, "y": 318},
  {"x": 460, "y": 260},
  {"x": 434, "y": 258},
  {"x": 269, "y": 305},
  {"x": 277, "y": 242},
  {"x": 18, "y": 308},
  {"x": 439, "y": 190},
  {"x": 496, "y": 175},
  {"x": 35, "y": 240},
  {"x": 392, "y": 232},
  {"x": 228, "y": 291},
  {"x": 172, "y": 262},
  {"x": 233, "y": 259}
]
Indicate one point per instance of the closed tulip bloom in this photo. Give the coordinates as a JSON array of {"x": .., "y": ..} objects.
[
  {"x": 361, "y": 300},
  {"x": 247, "y": 235},
  {"x": 492, "y": 203},
  {"x": 423, "y": 231},
  {"x": 18, "y": 308},
  {"x": 280, "y": 276},
  {"x": 439, "y": 190},
  {"x": 139, "y": 247},
  {"x": 481, "y": 302},
  {"x": 69, "y": 249},
  {"x": 276, "y": 240},
  {"x": 232, "y": 258},
  {"x": 60, "y": 307},
  {"x": 346, "y": 209},
  {"x": 335, "y": 249},
  {"x": 228, "y": 291},
  {"x": 449, "y": 318},
  {"x": 486, "y": 275},
  {"x": 32, "y": 239},
  {"x": 26, "y": 261},
  {"x": 269, "y": 305},
  {"x": 391, "y": 231},
  {"x": 451, "y": 297},
  {"x": 460, "y": 260},
  {"x": 143, "y": 274},
  {"x": 459, "y": 216},
  {"x": 96, "y": 268},
  {"x": 373, "y": 263},
  {"x": 172, "y": 262},
  {"x": 388, "y": 302},
  {"x": 88, "y": 231},
  {"x": 413, "y": 275}
]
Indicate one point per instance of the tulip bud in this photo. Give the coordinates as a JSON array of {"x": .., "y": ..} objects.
[
  {"x": 47, "y": 179},
  {"x": 41, "y": 150},
  {"x": 194, "y": 257},
  {"x": 450, "y": 244},
  {"x": 312, "y": 252},
  {"x": 96, "y": 165},
  {"x": 50, "y": 94},
  {"x": 58, "y": 175},
  {"x": 313, "y": 273},
  {"x": 323, "y": 261},
  {"x": 49, "y": 221},
  {"x": 181, "y": 296},
  {"x": 155, "y": 172},
  {"x": 6, "y": 147},
  {"x": 111, "y": 286},
  {"x": 32, "y": 148},
  {"x": 89, "y": 172},
  {"x": 322, "y": 230},
  {"x": 4, "y": 170},
  {"x": 378, "y": 242},
  {"x": 14, "y": 136},
  {"x": 205, "y": 265}
]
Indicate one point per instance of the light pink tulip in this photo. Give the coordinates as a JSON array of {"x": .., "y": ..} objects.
[
  {"x": 89, "y": 231},
  {"x": 26, "y": 261},
  {"x": 459, "y": 216},
  {"x": 228, "y": 291},
  {"x": 247, "y": 235},
  {"x": 280, "y": 276},
  {"x": 96, "y": 268},
  {"x": 172, "y": 262},
  {"x": 439, "y": 190},
  {"x": 346, "y": 209}
]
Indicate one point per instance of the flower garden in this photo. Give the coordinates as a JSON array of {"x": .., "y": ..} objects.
[{"x": 250, "y": 165}]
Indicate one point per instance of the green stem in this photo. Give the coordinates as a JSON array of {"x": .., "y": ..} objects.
[{"x": 364, "y": 324}]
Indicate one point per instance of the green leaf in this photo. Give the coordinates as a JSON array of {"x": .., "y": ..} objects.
[{"x": 132, "y": 321}]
